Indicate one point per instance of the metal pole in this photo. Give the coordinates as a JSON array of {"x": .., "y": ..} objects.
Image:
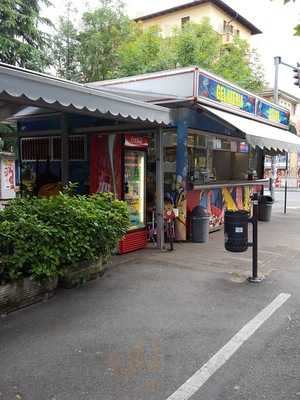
[
  {"x": 277, "y": 62},
  {"x": 254, "y": 220},
  {"x": 159, "y": 149},
  {"x": 64, "y": 150},
  {"x": 286, "y": 184},
  {"x": 255, "y": 237}
]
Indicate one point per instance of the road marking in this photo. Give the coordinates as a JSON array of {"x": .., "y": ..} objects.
[{"x": 193, "y": 384}]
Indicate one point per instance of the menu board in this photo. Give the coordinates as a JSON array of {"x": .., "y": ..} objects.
[{"x": 134, "y": 186}]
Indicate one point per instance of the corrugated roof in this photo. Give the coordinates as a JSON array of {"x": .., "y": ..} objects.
[
  {"x": 30, "y": 88},
  {"x": 230, "y": 11}
]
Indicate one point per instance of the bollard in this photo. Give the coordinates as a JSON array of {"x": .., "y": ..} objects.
[
  {"x": 254, "y": 220},
  {"x": 236, "y": 235}
]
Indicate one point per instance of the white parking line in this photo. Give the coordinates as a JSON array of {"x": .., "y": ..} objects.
[{"x": 193, "y": 384}]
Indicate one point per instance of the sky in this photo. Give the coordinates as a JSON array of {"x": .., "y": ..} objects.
[{"x": 272, "y": 17}]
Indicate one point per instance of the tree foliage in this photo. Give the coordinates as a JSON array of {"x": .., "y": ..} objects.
[
  {"x": 109, "y": 45},
  {"x": 103, "y": 32},
  {"x": 196, "y": 44},
  {"x": 65, "y": 46},
  {"x": 22, "y": 43}
]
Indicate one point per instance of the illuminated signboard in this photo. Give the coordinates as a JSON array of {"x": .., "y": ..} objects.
[
  {"x": 136, "y": 141},
  {"x": 224, "y": 94},
  {"x": 272, "y": 114},
  {"x": 227, "y": 95}
]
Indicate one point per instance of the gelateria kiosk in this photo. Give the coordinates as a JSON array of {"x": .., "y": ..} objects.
[{"x": 214, "y": 154}]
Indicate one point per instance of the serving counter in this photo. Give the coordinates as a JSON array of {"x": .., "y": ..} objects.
[
  {"x": 226, "y": 184},
  {"x": 217, "y": 197}
]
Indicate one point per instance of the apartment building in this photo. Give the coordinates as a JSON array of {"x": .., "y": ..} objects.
[{"x": 225, "y": 20}]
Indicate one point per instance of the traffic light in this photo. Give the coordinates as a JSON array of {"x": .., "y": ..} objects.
[{"x": 297, "y": 75}]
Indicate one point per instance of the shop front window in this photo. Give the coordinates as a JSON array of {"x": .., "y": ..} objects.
[{"x": 197, "y": 153}]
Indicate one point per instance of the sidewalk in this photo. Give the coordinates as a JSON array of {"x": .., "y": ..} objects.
[
  {"x": 148, "y": 324},
  {"x": 278, "y": 242}
]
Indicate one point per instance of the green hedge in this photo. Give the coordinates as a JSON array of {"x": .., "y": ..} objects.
[{"x": 40, "y": 237}]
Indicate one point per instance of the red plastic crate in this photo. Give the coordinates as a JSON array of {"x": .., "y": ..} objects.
[{"x": 133, "y": 241}]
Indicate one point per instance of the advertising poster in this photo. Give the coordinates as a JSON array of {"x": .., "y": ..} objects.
[
  {"x": 106, "y": 159},
  {"x": 217, "y": 201},
  {"x": 8, "y": 185}
]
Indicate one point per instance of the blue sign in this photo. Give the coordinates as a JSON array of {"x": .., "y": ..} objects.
[
  {"x": 272, "y": 114},
  {"x": 225, "y": 94}
]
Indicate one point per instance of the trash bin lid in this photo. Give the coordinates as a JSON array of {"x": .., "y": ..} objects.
[
  {"x": 200, "y": 212},
  {"x": 266, "y": 199}
]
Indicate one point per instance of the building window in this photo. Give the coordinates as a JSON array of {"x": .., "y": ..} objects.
[
  {"x": 184, "y": 21},
  {"x": 237, "y": 33},
  {"x": 227, "y": 27},
  {"x": 36, "y": 149},
  {"x": 49, "y": 148}
]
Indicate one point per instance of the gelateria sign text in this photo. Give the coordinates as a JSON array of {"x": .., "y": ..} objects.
[{"x": 224, "y": 94}]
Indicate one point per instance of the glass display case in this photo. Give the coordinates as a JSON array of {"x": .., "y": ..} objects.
[{"x": 134, "y": 186}]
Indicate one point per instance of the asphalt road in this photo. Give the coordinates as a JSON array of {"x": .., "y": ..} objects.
[{"x": 155, "y": 319}]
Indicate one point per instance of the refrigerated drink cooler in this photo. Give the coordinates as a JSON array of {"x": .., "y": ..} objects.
[{"x": 134, "y": 195}]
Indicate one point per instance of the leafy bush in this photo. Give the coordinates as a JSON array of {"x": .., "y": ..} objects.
[{"x": 40, "y": 237}]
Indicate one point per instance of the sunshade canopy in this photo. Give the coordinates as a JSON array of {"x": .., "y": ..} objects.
[
  {"x": 20, "y": 87},
  {"x": 258, "y": 133}
]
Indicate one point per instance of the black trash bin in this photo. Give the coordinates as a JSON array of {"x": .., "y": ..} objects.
[
  {"x": 265, "y": 204},
  {"x": 200, "y": 225},
  {"x": 236, "y": 231}
]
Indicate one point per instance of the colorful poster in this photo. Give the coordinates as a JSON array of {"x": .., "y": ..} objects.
[
  {"x": 106, "y": 162},
  {"x": 181, "y": 176},
  {"x": 217, "y": 201},
  {"x": 272, "y": 114},
  {"x": 8, "y": 179},
  {"x": 225, "y": 94}
]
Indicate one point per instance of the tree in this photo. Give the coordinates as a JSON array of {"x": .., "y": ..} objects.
[
  {"x": 22, "y": 43},
  {"x": 141, "y": 52},
  {"x": 65, "y": 46},
  {"x": 103, "y": 32},
  {"x": 195, "y": 44},
  {"x": 239, "y": 64}
]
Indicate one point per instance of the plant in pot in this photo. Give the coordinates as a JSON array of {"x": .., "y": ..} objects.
[
  {"x": 65, "y": 237},
  {"x": 28, "y": 271}
]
